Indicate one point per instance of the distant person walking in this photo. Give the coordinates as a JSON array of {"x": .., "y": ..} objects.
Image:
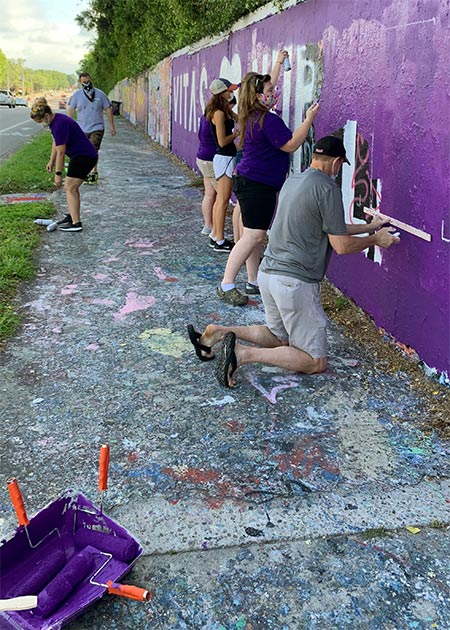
[
  {"x": 68, "y": 139},
  {"x": 90, "y": 103}
]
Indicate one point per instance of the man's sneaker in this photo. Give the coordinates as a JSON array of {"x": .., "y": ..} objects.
[
  {"x": 226, "y": 246},
  {"x": 94, "y": 177},
  {"x": 66, "y": 219},
  {"x": 206, "y": 231},
  {"x": 233, "y": 296},
  {"x": 212, "y": 243},
  {"x": 252, "y": 289},
  {"x": 71, "y": 227}
]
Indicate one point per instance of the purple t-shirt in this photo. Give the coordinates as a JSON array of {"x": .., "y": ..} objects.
[
  {"x": 67, "y": 131},
  {"x": 207, "y": 145},
  {"x": 263, "y": 161}
]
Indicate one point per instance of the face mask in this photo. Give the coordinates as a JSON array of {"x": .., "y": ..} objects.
[
  {"x": 45, "y": 125},
  {"x": 269, "y": 100},
  {"x": 87, "y": 85},
  {"x": 232, "y": 101}
]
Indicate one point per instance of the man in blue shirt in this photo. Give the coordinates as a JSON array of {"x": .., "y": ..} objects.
[{"x": 90, "y": 103}]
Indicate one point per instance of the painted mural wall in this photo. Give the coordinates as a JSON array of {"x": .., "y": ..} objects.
[{"x": 381, "y": 72}]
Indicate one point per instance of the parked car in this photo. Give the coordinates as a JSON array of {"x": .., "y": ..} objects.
[
  {"x": 21, "y": 102},
  {"x": 7, "y": 98}
]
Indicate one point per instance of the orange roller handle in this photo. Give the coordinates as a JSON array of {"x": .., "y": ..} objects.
[
  {"x": 103, "y": 468},
  {"x": 17, "y": 501},
  {"x": 125, "y": 590}
]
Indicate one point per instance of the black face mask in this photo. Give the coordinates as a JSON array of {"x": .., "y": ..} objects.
[
  {"x": 87, "y": 85},
  {"x": 232, "y": 101}
]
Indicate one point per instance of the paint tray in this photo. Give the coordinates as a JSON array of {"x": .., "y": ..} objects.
[{"x": 69, "y": 526}]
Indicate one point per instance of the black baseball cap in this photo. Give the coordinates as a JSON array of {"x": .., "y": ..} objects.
[{"x": 331, "y": 146}]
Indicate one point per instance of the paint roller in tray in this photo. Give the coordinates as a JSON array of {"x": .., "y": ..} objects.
[
  {"x": 56, "y": 579},
  {"x": 46, "y": 566}
]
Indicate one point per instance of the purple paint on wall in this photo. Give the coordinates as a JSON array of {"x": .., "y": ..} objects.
[{"x": 385, "y": 66}]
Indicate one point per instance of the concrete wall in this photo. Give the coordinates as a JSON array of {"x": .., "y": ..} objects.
[{"x": 381, "y": 71}]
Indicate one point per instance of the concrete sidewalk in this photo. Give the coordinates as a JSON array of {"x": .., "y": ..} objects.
[{"x": 280, "y": 504}]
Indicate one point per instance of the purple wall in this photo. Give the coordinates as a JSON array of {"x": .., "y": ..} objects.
[{"x": 381, "y": 70}]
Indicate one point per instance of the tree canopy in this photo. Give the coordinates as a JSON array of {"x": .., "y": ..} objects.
[
  {"x": 134, "y": 35},
  {"x": 17, "y": 77}
]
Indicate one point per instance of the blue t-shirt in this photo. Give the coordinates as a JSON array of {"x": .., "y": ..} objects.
[
  {"x": 263, "y": 160},
  {"x": 67, "y": 131},
  {"x": 90, "y": 113},
  {"x": 207, "y": 144}
]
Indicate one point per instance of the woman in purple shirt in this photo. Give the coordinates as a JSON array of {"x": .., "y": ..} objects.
[
  {"x": 205, "y": 155},
  {"x": 68, "y": 139},
  {"x": 266, "y": 143}
]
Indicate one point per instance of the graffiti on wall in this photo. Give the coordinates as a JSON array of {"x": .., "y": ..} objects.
[
  {"x": 159, "y": 104},
  {"x": 359, "y": 189},
  {"x": 297, "y": 89}
]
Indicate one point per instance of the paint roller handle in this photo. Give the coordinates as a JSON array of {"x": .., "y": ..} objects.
[
  {"x": 103, "y": 467},
  {"x": 126, "y": 590},
  {"x": 17, "y": 501}
]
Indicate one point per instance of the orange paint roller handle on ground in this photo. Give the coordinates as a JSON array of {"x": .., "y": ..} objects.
[
  {"x": 103, "y": 468},
  {"x": 17, "y": 501},
  {"x": 125, "y": 590}
]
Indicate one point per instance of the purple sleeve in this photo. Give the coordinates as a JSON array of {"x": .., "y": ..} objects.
[
  {"x": 60, "y": 131},
  {"x": 275, "y": 130}
]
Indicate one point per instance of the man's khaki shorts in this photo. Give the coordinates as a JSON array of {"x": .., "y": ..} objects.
[
  {"x": 294, "y": 312},
  {"x": 96, "y": 137}
]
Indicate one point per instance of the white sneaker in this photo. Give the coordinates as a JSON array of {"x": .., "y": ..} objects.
[{"x": 206, "y": 231}]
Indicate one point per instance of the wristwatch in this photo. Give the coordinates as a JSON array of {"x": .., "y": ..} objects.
[{"x": 58, "y": 173}]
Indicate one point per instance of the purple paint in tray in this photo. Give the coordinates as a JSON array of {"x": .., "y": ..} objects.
[{"x": 66, "y": 554}]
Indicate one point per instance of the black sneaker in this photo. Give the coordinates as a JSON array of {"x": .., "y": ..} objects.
[
  {"x": 71, "y": 227},
  {"x": 252, "y": 289},
  {"x": 212, "y": 243},
  {"x": 66, "y": 219},
  {"x": 226, "y": 246}
]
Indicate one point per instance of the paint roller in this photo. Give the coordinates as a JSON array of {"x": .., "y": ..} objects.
[
  {"x": 123, "y": 590},
  {"x": 18, "y": 603},
  {"x": 120, "y": 548},
  {"x": 103, "y": 466},
  {"x": 45, "y": 568},
  {"x": 60, "y": 587}
]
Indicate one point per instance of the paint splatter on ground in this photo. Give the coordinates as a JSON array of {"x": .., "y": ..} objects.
[{"x": 105, "y": 353}]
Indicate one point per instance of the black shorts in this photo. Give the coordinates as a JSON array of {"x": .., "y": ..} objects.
[
  {"x": 258, "y": 202},
  {"x": 80, "y": 166}
]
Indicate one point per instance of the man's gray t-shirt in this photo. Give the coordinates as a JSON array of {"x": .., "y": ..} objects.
[
  {"x": 90, "y": 113},
  {"x": 309, "y": 208}
]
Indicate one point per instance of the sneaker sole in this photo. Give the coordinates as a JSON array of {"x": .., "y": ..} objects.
[{"x": 63, "y": 229}]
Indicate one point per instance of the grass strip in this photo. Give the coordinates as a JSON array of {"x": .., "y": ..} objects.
[
  {"x": 25, "y": 170},
  {"x": 19, "y": 237}
]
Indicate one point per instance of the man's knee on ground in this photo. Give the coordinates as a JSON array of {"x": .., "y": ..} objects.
[{"x": 317, "y": 365}]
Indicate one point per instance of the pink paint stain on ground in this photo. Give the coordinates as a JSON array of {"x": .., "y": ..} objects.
[
  {"x": 159, "y": 273},
  {"x": 112, "y": 259},
  {"x": 100, "y": 276},
  {"x": 134, "y": 302},
  {"x": 93, "y": 346},
  {"x": 140, "y": 244},
  {"x": 69, "y": 289},
  {"x": 272, "y": 395}
]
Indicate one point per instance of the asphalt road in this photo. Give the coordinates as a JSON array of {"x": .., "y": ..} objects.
[{"x": 16, "y": 128}]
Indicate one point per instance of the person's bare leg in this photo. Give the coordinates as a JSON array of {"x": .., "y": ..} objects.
[
  {"x": 72, "y": 186},
  {"x": 257, "y": 334},
  {"x": 250, "y": 240},
  {"x": 208, "y": 201},
  {"x": 287, "y": 357},
  {"x": 237, "y": 222},
  {"x": 252, "y": 265},
  {"x": 221, "y": 205}
]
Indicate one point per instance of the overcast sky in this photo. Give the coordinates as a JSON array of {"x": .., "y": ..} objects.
[{"x": 44, "y": 33}]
